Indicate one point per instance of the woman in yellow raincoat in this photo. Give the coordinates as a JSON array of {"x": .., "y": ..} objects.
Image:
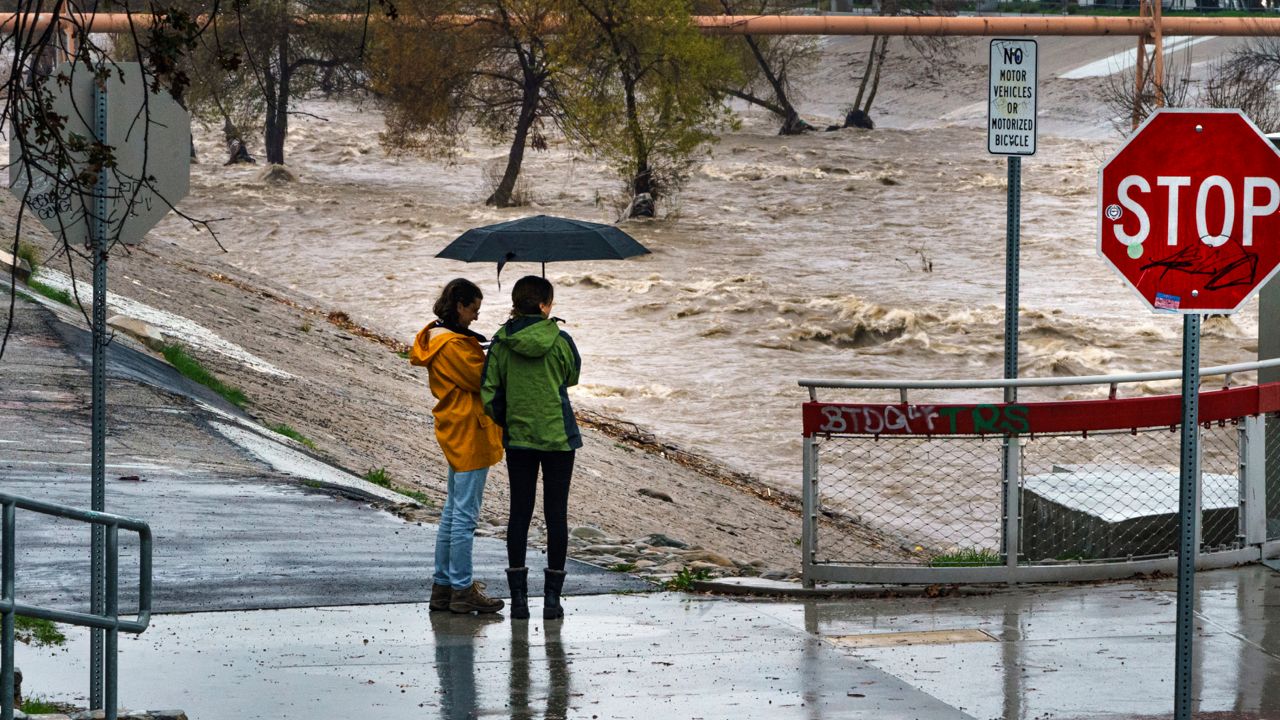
[{"x": 454, "y": 358}]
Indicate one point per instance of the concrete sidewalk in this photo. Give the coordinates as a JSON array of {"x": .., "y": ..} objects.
[{"x": 1094, "y": 651}]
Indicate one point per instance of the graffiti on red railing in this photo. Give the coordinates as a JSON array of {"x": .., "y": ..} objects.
[
  {"x": 1034, "y": 418},
  {"x": 923, "y": 419}
]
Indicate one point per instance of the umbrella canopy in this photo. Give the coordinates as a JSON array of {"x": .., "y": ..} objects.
[{"x": 543, "y": 239}]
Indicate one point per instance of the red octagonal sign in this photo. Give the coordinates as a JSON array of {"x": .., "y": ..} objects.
[{"x": 1188, "y": 210}]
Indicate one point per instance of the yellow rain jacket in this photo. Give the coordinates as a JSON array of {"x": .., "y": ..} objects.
[{"x": 454, "y": 363}]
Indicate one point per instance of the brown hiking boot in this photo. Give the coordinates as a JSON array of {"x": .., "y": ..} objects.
[
  {"x": 473, "y": 599},
  {"x": 440, "y": 596}
]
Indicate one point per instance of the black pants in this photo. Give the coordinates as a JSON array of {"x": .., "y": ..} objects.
[{"x": 522, "y": 469}]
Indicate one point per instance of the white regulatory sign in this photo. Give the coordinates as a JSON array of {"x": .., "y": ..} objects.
[{"x": 1011, "y": 100}]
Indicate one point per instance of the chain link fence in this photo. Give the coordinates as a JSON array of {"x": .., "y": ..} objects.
[
  {"x": 1113, "y": 496},
  {"x": 937, "y": 498},
  {"x": 1083, "y": 497},
  {"x": 1272, "y": 445}
]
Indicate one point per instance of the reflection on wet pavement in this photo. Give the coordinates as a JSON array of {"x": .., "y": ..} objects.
[{"x": 1061, "y": 652}]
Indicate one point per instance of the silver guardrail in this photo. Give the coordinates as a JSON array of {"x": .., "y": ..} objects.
[
  {"x": 971, "y": 493},
  {"x": 1113, "y": 381},
  {"x": 109, "y": 621}
]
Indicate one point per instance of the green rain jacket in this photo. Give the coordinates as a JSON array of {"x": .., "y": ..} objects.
[{"x": 528, "y": 371}]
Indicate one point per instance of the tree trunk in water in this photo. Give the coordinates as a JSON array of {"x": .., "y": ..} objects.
[
  {"x": 642, "y": 180},
  {"x": 875, "y": 82},
  {"x": 277, "y": 124},
  {"x": 791, "y": 122},
  {"x": 501, "y": 196},
  {"x": 866, "y": 73}
]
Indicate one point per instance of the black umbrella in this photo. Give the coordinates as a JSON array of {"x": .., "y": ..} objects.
[{"x": 543, "y": 239}]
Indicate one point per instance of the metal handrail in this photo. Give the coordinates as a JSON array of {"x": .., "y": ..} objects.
[
  {"x": 109, "y": 620},
  {"x": 1035, "y": 382}
]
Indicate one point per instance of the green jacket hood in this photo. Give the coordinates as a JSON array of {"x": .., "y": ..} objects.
[{"x": 529, "y": 335}]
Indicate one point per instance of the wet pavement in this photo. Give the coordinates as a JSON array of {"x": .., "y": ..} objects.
[
  {"x": 615, "y": 656},
  {"x": 1090, "y": 651}
]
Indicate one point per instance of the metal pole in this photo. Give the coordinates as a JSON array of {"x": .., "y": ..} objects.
[
  {"x": 1013, "y": 223},
  {"x": 98, "y": 232},
  {"x": 113, "y": 612},
  {"x": 6, "y": 632},
  {"x": 809, "y": 524},
  {"x": 1009, "y": 457},
  {"x": 1269, "y": 349},
  {"x": 1187, "y": 515}
]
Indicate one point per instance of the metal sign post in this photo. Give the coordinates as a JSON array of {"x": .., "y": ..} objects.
[
  {"x": 98, "y": 233},
  {"x": 1189, "y": 482},
  {"x": 1011, "y": 131},
  {"x": 150, "y": 138}
]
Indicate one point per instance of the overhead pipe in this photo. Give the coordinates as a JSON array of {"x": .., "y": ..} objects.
[
  {"x": 836, "y": 24},
  {"x": 1012, "y": 26}
]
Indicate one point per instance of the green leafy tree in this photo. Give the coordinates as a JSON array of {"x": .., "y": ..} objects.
[
  {"x": 640, "y": 90},
  {"x": 437, "y": 75}
]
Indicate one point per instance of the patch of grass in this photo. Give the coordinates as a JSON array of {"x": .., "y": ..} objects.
[
  {"x": 685, "y": 579},
  {"x": 37, "y": 632},
  {"x": 379, "y": 477},
  {"x": 193, "y": 370},
  {"x": 36, "y": 705},
  {"x": 315, "y": 485},
  {"x": 623, "y": 567},
  {"x": 31, "y": 254},
  {"x": 52, "y": 293},
  {"x": 305, "y": 327},
  {"x": 289, "y": 432},
  {"x": 419, "y": 496},
  {"x": 967, "y": 557},
  {"x": 404, "y": 355}
]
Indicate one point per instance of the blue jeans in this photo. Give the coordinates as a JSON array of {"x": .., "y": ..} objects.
[{"x": 458, "y": 527}]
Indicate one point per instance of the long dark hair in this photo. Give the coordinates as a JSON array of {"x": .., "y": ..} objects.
[
  {"x": 459, "y": 290},
  {"x": 531, "y": 292}
]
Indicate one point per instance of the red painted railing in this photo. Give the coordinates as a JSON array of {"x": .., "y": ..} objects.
[{"x": 825, "y": 418}]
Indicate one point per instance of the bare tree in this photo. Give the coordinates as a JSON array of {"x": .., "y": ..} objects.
[
  {"x": 933, "y": 50},
  {"x": 1247, "y": 80},
  {"x": 1121, "y": 98},
  {"x": 770, "y": 64}
]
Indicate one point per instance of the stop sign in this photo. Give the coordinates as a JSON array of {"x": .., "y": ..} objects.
[
  {"x": 1188, "y": 210},
  {"x": 150, "y": 136}
]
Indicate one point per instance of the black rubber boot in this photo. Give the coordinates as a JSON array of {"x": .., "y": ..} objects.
[
  {"x": 518, "y": 582},
  {"x": 551, "y": 609}
]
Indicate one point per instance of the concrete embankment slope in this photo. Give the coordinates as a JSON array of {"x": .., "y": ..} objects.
[{"x": 242, "y": 519}]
